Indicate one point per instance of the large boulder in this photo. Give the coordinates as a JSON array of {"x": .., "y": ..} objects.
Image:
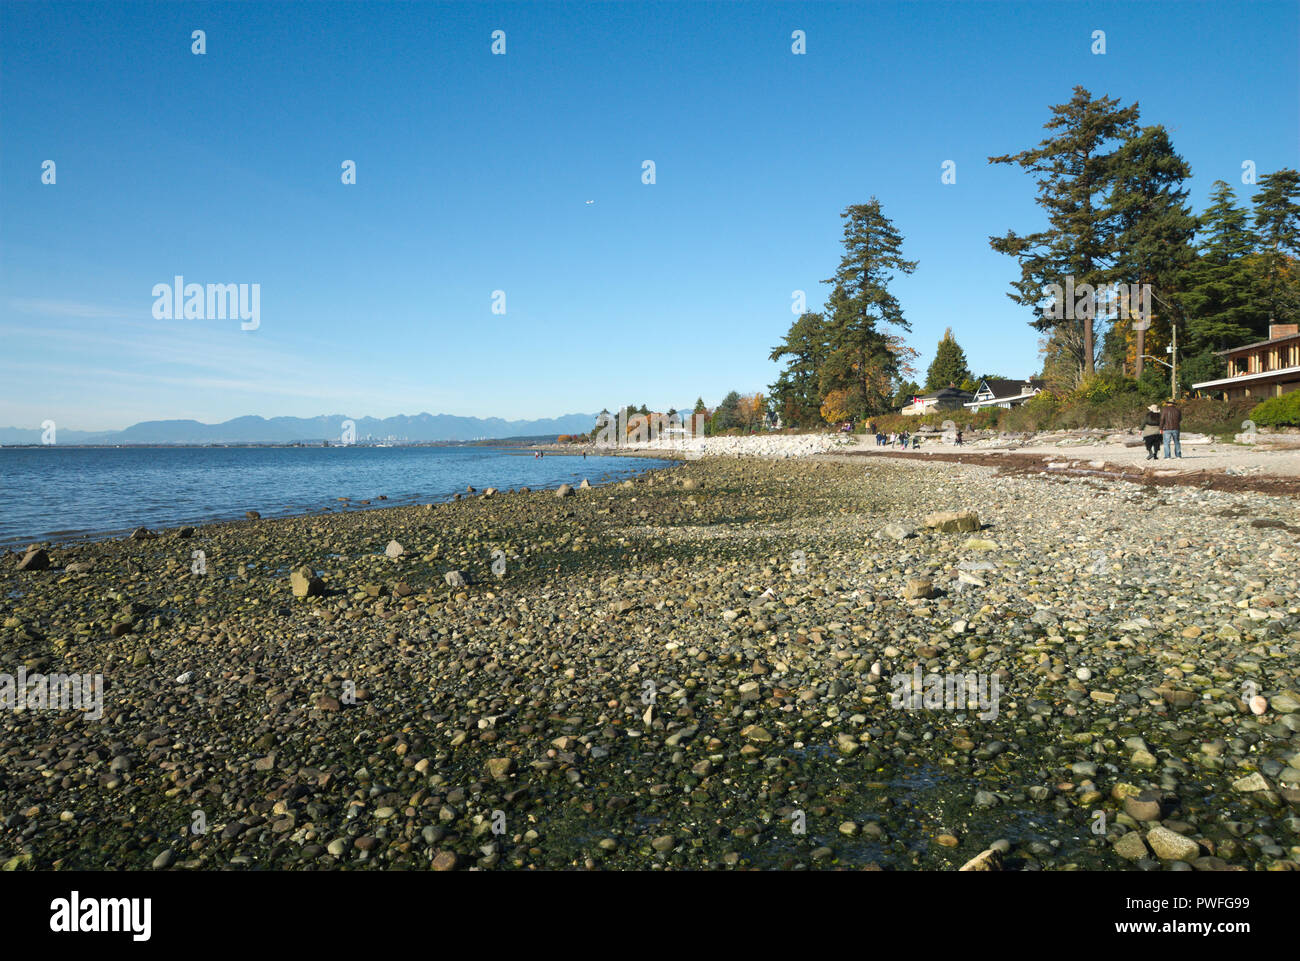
[
  {"x": 953, "y": 522},
  {"x": 988, "y": 860},
  {"x": 456, "y": 578},
  {"x": 898, "y": 532},
  {"x": 919, "y": 589},
  {"x": 34, "y": 560},
  {"x": 1169, "y": 846},
  {"x": 394, "y": 550},
  {"x": 564, "y": 491},
  {"x": 304, "y": 583}
]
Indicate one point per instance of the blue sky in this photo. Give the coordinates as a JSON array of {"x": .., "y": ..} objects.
[{"x": 473, "y": 171}]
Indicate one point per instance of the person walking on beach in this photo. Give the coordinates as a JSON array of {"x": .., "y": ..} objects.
[
  {"x": 1151, "y": 432},
  {"x": 959, "y": 437},
  {"x": 1171, "y": 420}
]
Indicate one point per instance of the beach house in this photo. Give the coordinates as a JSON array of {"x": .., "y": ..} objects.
[
  {"x": 948, "y": 398},
  {"x": 1003, "y": 392},
  {"x": 1266, "y": 368}
]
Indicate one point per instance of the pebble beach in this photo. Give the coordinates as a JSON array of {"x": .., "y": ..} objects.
[{"x": 695, "y": 669}]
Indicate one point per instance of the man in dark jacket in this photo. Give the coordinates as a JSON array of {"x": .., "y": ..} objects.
[
  {"x": 1151, "y": 432},
  {"x": 1171, "y": 419}
]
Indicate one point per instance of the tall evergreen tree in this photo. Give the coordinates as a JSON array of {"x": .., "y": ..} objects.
[
  {"x": 1277, "y": 219},
  {"x": 1154, "y": 227},
  {"x": 863, "y": 358},
  {"x": 727, "y": 414},
  {"x": 1220, "y": 297},
  {"x": 796, "y": 395},
  {"x": 948, "y": 366},
  {"x": 1074, "y": 171}
]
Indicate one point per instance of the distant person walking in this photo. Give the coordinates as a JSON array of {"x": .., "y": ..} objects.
[
  {"x": 1151, "y": 432},
  {"x": 1171, "y": 421}
]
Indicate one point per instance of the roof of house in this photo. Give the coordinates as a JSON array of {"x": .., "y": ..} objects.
[
  {"x": 1259, "y": 343},
  {"x": 1247, "y": 378},
  {"x": 945, "y": 393},
  {"x": 1007, "y": 387}
]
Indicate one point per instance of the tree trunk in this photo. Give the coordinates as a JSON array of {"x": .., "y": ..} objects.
[{"x": 1089, "y": 367}]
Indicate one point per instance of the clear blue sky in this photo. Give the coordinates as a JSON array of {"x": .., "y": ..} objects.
[{"x": 473, "y": 171}]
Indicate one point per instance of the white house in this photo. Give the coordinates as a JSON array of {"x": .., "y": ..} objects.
[{"x": 1004, "y": 392}]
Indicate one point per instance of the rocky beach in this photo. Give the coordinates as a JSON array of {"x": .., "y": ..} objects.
[{"x": 695, "y": 669}]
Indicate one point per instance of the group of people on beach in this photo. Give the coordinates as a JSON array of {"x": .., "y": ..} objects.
[
  {"x": 902, "y": 439},
  {"x": 1162, "y": 423}
]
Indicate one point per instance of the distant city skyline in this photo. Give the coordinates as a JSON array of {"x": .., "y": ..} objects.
[{"x": 384, "y": 216}]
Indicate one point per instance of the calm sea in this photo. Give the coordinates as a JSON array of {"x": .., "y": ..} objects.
[{"x": 53, "y": 493}]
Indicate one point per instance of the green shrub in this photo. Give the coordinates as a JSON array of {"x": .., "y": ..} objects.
[
  {"x": 1218, "y": 418},
  {"x": 1037, "y": 413},
  {"x": 1281, "y": 411}
]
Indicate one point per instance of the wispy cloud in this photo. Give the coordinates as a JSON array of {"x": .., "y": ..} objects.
[{"x": 68, "y": 309}]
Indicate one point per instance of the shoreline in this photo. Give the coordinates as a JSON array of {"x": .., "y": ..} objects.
[
  {"x": 771, "y": 605},
  {"x": 335, "y": 506}
]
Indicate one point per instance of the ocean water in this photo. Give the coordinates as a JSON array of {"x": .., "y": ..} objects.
[{"x": 71, "y": 493}]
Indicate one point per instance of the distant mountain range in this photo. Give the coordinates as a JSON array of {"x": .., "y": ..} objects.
[{"x": 420, "y": 428}]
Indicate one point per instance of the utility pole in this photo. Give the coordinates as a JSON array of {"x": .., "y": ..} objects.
[
  {"x": 1173, "y": 368},
  {"x": 1172, "y": 349}
]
